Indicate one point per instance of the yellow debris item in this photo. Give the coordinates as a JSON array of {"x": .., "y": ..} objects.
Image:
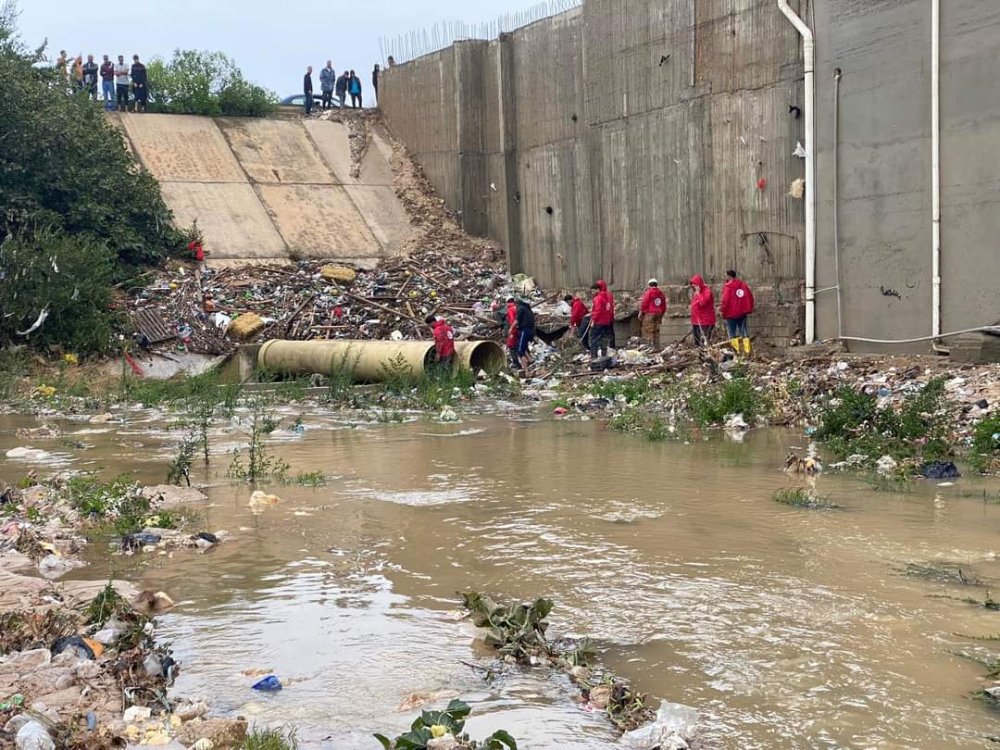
[
  {"x": 96, "y": 646},
  {"x": 340, "y": 274},
  {"x": 246, "y": 325}
]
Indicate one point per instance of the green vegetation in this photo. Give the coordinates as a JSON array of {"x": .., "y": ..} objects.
[
  {"x": 631, "y": 391},
  {"x": 78, "y": 211},
  {"x": 985, "y": 454},
  {"x": 640, "y": 420},
  {"x": 259, "y": 464},
  {"x": 712, "y": 404},
  {"x": 209, "y": 387},
  {"x": 14, "y": 366},
  {"x": 853, "y": 423},
  {"x": 310, "y": 479},
  {"x": 432, "y": 724},
  {"x": 270, "y": 739},
  {"x": 516, "y": 630},
  {"x": 802, "y": 497},
  {"x": 119, "y": 504},
  {"x": 180, "y": 466},
  {"x": 196, "y": 82}
]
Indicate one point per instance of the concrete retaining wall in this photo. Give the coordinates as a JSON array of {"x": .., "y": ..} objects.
[{"x": 632, "y": 138}]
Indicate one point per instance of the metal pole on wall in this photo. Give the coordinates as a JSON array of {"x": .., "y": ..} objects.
[
  {"x": 936, "y": 173},
  {"x": 809, "y": 63}
]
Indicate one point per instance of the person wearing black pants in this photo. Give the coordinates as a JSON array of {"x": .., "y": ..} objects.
[
  {"x": 354, "y": 89},
  {"x": 307, "y": 89}
]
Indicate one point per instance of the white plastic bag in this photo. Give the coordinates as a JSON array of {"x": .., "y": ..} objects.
[
  {"x": 33, "y": 736},
  {"x": 672, "y": 729}
]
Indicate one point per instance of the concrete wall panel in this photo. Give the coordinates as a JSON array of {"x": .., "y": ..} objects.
[
  {"x": 182, "y": 148},
  {"x": 275, "y": 151}
]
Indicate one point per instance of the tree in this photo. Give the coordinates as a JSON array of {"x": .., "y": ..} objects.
[{"x": 198, "y": 82}]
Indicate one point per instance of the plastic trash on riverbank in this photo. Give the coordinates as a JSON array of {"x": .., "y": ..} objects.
[
  {"x": 673, "y": 728},
  {"x": 268, "y": 684}
]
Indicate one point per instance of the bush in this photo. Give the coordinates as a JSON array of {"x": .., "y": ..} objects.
[
  {"x": 198, "y": 82},
  {"x": 68, "y": 279},
  {"x": 986, "y": 444},
  {"x": 64, "y": 166},
  {"x": 712, "y": 405}
]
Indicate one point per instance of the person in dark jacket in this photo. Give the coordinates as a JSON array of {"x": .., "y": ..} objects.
[
  {"x": 737, "y": 304},
  {"x": 354, "y": 89},
  {"x": 341, "y": 88},
  {"x": 376, "y": 75},
  {"x": 327, "y": 78},
  {"x": 524, "y": 323},
  {"x": 307, "y": 89},
  {"x": 140, "y": 84},
  {"x": 90, "y": 71}
]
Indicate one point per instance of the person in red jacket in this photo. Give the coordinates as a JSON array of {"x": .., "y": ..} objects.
[
  {"x": 702, "y": 311},
  {"x": 512, "y": 333},
  {"x": 737, "y": 304},
  {"x": 444, "y": 341},
  {"x": 651, "y": 312},
  {"x": 578, "y": 325},
  {"x": 602, "y": 320}
]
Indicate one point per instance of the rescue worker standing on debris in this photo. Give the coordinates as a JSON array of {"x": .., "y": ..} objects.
[
  {"x": 602, "y": 320},
  {"x": 651, "y": 312},
  {"x": 702, "y": 311},
  {"x": 444, "y": 341},
  {"x": 577, "y": 311},
  {"x": 737, "y": 304},
  {"x": 524, "y": 324}
]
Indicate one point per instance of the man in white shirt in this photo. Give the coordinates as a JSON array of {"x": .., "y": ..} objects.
[{"x": 121, "y": 83}]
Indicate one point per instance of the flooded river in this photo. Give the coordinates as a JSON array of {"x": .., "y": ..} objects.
[{"x": 786, "y": 628}]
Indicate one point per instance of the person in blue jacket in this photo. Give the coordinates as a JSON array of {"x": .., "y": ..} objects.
[{"x": 354, "y": 89}]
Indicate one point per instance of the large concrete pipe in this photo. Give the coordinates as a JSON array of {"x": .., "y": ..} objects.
[{"x": 371, "y": 361}]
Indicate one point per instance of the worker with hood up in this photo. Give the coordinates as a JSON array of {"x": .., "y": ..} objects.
[
  {"x": 444, "y": 341},
  {"x": 702, "y": 311},
  {"x": 602, "y": 320},
  {"x": 737, "y": 304}
]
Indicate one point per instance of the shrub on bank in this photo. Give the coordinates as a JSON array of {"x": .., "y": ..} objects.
[{"x": 196, "y": 82}]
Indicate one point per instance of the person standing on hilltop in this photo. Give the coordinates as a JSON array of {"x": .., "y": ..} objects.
[
  {"x": 602, "y": 320},
  {"x": 121, "y": 84},
  {"x": 702, "y": 311},
  {"x": 108, "y": 83},
  {"x": 307, "y": 89},
  {"x": 140, "y": 85},
  {"x": 737, "y": 304},
  {"x": 327, "y": 77},
  {"x": 651, "y": 312},
  {"x": 78, "y": 72},
  {"x": 376, "y": 74},
  {"x": 354, "y": 89},
  {"x": 90, "y": 77},
  {"x": 341, "y": 88}
]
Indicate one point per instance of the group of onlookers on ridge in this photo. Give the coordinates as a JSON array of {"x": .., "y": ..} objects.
[
  {"x": 118, "y": 80},
  {"x": 594, "y": 327},
  {"x": 344, "y": 85}
]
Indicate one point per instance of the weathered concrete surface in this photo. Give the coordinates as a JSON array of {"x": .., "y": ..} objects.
[
  {"x": 272, "y": 190},
  {"x": 634, "y": 138},
  {"x": 624, "y": 140}
]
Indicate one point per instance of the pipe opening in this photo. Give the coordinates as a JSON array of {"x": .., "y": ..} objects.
[{"x": 487, "y": 356}]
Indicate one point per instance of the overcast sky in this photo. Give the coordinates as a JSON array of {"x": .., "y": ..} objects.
[{"x": 271, "y": 41}]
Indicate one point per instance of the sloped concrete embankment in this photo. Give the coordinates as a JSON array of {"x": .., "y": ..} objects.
[{"x": 272, "y": 190}]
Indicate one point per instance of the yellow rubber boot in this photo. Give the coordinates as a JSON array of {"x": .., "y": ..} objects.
[
  {"x": 735, "y": 343},
  {"x": 746, "y": 347}
]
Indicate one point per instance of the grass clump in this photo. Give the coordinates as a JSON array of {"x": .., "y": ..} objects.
[
  {"x": 711, "y": 405},
  {"x": 208, "y": 386},
  {"x": 985, "y": 454},
  {"x": 282, "y": 738},
  {"x": 803, "y": 497},
  {"x": 638, "y": 420},
  {"x": 118, "y": 503},
  {"x": 632, "y": 391},
  {"x": 853, "y": 423},
  {"x": 257, "y": 463}
]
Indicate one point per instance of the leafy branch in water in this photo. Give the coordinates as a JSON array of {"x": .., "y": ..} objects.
[
  {"x": 517, "y": 631},
  {"x": 431, "y": 725}
]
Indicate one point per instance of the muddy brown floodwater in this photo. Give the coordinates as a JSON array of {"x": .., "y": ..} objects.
[{"x": 786, "y": 628}]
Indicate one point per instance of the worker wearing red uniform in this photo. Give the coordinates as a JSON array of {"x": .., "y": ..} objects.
[
  {"x": 512, "y": 333},
  {"x": 577, "y": 310},
  {"x": 444, "y": 341},
  {"x": 602, "y": 320},
  {"x": 702, "y": 311},
  {"x": 651, "y": 311},
  {"x": 737, "y": 304}
]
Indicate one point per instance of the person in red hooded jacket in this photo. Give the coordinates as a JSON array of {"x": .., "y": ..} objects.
[
  {"x": 512, "y": 333},
  {"x": 702, "y": 311},
  {"x": 737, "y": 304},
  {"x": 602, "y": 320},
  {"x": 444, "y": 341},
  {"x": 651, "y": 312}
]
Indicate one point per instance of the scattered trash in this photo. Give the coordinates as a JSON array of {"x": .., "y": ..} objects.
[
  {"x": 269, "y": 683},
  {"x": 33, "y": 736},
  {"x": 448, "y": 415},
  {"x": 940, "y": 470},
  {"x": 886, "y": 466},
  {"x": 135, "y": 714},
  {"x": 673, "y": 728}
]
